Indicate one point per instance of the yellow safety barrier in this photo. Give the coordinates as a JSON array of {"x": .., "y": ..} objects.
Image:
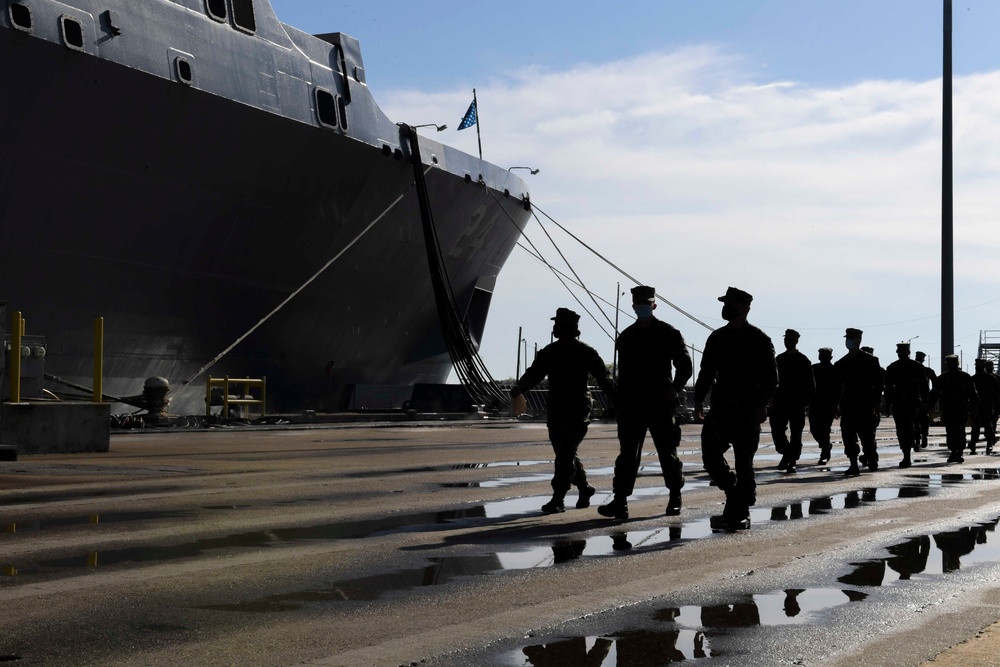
[{"x": 245, "y": 400}]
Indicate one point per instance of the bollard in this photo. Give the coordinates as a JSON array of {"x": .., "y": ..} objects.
[
  {"x": 16, "y": 330},
  {"x": 98, "y": 359}
]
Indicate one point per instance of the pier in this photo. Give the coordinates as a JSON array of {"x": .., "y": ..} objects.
[{"x": 423, "y": 543}]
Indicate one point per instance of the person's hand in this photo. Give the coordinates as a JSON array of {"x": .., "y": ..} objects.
[
  {"x": 699, "y": 412},
  {"x": 761, "y": 413},
  {"x": 670, "y": 394}
]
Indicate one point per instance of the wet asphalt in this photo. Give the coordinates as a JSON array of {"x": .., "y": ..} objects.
[{"x": 423, "y": 543}]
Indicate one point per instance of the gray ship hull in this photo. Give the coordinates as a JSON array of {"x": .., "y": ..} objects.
[{"x": 183, "y": 217}]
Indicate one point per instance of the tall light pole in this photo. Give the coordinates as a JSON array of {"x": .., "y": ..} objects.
[
  {"x": 517, "y": 373},
  {"x": 947, "y": 203}
]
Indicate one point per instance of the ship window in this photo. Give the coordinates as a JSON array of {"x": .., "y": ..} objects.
[
  {"x": 184, "y": 73},
  {"x": 72, "y": 32},
  {"x": 216, "y": 9},
  {"x": 342, "y": 112},
  {"x": 326, "y": 108},
  {"x": 243, "y": 15},
  {"x": 20, "y": 16}
]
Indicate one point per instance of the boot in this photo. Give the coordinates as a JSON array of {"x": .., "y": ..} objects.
[
  {"x": 905, "y": 463},
  {"x": 616, "y": 509},
  {"x": 586, "y": 493},
  {"x": 555, "y": 506},
  {"x": 674, "y": 503},
  {"x": 824, "y": 456},
  {"x": 853, "y": 470}
]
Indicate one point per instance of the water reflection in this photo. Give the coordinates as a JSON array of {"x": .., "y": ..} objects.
[
  {"x": 970, "y": 544},
  {"x": 676, "y": 634},
  {"x": 628, "y": 648}
]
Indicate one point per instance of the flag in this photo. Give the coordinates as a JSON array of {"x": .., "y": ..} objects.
[{"x": 470, "y": 118}]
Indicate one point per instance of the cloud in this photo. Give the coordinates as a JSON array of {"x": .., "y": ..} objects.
[{"x": 692, "y": 173}]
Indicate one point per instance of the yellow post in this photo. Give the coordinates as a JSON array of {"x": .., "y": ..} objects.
[
  {"x": 16, "y": 330},
  {"x": 98, "y": 359},
  {"x": 263, "y": 396},
  {"x": 225, "y": 397},
  {"x": 208, "y": 396}
]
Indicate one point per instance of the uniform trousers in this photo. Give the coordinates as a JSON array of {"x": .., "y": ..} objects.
[
  {"x": 905, "y": 415},
  {"x": 666, "y": 434},
  {"x": 859, "y": 426},
  {"x": 740, "y": 430},
  {"x": 792, "y": 417},
  {"x": 820, "y": 425},
  {"x": 984, "y": 421},
  {"x": 955, "y": 422},
  {"x": 566, "y": 437}
]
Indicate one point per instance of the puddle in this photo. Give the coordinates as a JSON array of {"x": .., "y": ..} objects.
[
  {"x": 928, "y": 555},
  {"x": 629, "y": 647},
  {"x": 679, "y": 634}
]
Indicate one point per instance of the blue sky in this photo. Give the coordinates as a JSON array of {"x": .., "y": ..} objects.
[{"x": 788, "y": 147}]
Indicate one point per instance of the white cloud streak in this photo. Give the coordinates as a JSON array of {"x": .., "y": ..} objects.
[{"x": 693, "y": 175}]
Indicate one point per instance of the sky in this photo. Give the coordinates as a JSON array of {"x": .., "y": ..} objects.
[{"x": 790, "y": 148}]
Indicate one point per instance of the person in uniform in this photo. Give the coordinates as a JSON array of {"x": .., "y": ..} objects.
[
  {"x": 923, "y": 415},
  {"x": 906, "y": 391},
  {"x": 653, "y": 367},
  {"x": 984, "y": 419},
  {"x": 788, "y": 409},
  {"x": 957, "y": 393},
  {"x": 859, "y": 389},
  {"x": 567, "y": 362},
  {"x": 738, "y": 368},
  {"x": 824, "y": 404}
]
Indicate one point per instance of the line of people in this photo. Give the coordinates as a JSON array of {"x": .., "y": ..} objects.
[{"x": 743, "y": 378}]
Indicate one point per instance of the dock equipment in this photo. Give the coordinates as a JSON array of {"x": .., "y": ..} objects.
[{"x": 243, "y": 400}]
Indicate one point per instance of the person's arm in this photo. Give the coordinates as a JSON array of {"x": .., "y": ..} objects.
[
  {"x": 682, "y": 364},
  {"x": 706, "y": 376},
  {"x": 533, "y": 374}
]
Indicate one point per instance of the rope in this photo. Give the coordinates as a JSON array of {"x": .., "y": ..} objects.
[
  {"x": 622, "y": 271},
  {"x": 184, "y": 385}
]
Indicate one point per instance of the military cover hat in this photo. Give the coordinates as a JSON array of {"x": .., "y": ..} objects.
[
  {"x": 736, "y": 295},
  {"x": 643, "y": 294},
  {"x": 853, "y": 334},
  {"x": 951, "y": 357},
  {"x": 826, "y": 349},
  {"x": 902, "y": 347},
  {"x": 792, "y": 333},
  {"x": 566, "y": 316},
  {"x": 921, "y": 355}
]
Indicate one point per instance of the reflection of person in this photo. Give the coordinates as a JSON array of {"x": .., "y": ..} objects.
[
  {"x": 957, "y": 543},
  {"x": 988, "y": 388},
  {"x": 567, "y": 363},
  {"x": 923, "y": 415},
  {"x": 788, "y": 409},
  {"x": 739, "y": 615},
  {"x": 649, "y": 351},
  {"x": 910, "y": 557},
  {"x": 859, "y": 382},
  {"x": 791, "y": 606},
  {"x": 957, "y": 394},
  {"x": 738, "y": 367},
  {"x": 824, "y": 404},
  {"x": 572, "y": 651},
  {"x": 906, "y": 392},
  {"x": 868, "y": 573}
]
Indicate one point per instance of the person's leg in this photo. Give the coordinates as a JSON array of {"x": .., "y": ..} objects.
[{"x": 666, "y": 436}]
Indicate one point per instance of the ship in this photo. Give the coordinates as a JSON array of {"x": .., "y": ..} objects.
[{"x": 182, "y": 168}]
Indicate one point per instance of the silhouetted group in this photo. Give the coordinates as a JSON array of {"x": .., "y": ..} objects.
[{"x": 745, "y": 385}]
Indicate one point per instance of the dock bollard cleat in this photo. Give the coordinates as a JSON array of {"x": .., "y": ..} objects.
[
  {"x": 586, "y": 493},
  {"x": 616, "y": 509}
]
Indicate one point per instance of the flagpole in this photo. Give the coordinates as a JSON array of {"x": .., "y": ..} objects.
[{"x": 479, "y": 137}]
